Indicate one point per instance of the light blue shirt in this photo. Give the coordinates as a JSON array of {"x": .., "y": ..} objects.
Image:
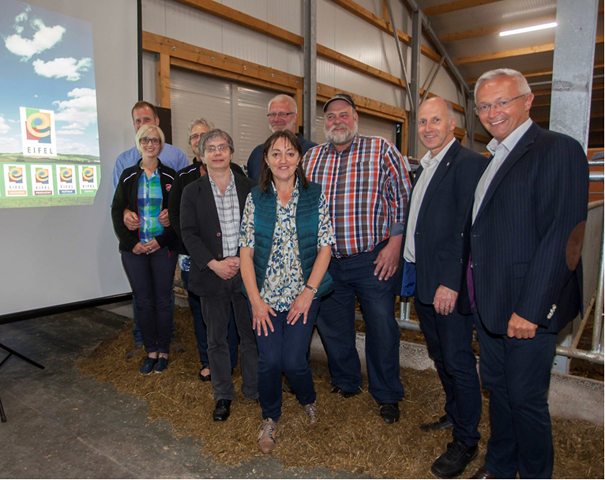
[{"x": 170, "y": 156}]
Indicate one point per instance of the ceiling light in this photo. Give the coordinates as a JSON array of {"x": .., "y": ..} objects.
[{"x": 528, "y": 29}]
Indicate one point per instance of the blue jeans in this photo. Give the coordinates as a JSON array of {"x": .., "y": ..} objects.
[
  {"x": 448, "y": 340},
  {"x": 151, "y": 277},
  {"x": 200, "y": 327},
  {"x": 136, "y": 331},
  {"x": 517, "y": 375},
  {"x": 285, "y": 351},
  {"x": 336, "y": 324}
]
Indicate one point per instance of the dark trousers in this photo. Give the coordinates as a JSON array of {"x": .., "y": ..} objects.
[
  {"x": 448, "y": 339},
  {"x": 217, "y": 313},
  {"x": 336, "y": 324},
  {"x": 200, "y": 327},
  {"x": 151, "y": 277},
  {"x": 136, "y": 331},
  {"x": 285, "y": 351},
  {"x": 517, "y": 374}
]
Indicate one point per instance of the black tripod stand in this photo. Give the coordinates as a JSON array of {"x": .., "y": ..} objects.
[{"x": 22, "y": 357}]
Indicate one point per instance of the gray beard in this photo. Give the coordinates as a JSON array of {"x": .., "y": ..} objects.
[{"x": 340, "y": 139}]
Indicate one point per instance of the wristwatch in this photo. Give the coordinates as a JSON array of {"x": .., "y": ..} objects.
[{"x": 313, "y": 289}]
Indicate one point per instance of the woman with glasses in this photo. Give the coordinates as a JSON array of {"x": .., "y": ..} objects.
[
  {"x": 285, "y": 241},
  {"x": 185, "y": 176},
  {"x": 148, "y": 252}
]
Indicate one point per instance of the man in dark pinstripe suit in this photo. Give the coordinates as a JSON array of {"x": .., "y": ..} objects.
[{"x": 525, "y": 233}]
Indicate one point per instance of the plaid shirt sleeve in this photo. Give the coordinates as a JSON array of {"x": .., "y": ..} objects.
[{"x": 398, "y": 187}]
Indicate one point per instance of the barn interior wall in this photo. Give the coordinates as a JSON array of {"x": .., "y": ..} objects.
[{"x": 337, "y": 29}]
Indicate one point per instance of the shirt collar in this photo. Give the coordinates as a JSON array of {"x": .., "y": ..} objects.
[
  {"x": 295, "y": 192},
  {"x": 511, "y": 141},
  {"x": 229, "y": 186},
  {"x": 428, "y": 159}
]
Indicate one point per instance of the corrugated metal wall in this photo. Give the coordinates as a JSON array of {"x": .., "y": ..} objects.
[{"x": 337, "y": 29}]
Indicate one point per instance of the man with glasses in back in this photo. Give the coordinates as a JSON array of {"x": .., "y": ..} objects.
[
  {"x": 283, "y": 115},
  {"x": 144, "y": 113},
  {"x": 524, "y": 276}
]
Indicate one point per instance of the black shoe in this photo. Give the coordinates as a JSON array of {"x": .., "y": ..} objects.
[
  {"x": 453, "y": 462},
  {"x": 222, "y": 410},
  {"x": 204, "y": 378},
  {"x": 389, "y": 412},
  {"x": 345, "y": 393},
  {"x": 442, "y": 424}
]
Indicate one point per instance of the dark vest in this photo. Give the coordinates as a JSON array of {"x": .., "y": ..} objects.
[{"x": 307, "y": 222}]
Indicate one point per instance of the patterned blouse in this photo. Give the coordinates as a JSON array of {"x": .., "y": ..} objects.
[{"x": 284, "y": 279}]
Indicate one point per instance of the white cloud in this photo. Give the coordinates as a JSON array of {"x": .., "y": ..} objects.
[
  {"x": 4, "y": 128},
  {"x": 70, "y": 132},
  {"x": 70, "y": 68},
  {"x": 67, "y": 147},
  {"x": 44, "y": 38},
  {"x": 9, "y": 145},
  {"x": 80, "y": 111}
]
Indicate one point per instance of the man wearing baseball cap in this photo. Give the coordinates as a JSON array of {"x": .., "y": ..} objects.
[{"x": 367, "y": 188}]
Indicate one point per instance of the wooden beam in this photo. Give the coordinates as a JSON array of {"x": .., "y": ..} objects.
[
  {"x": 494, "y": 29},
  {"x": 162, "y": 81},
  {"x": 244, "y": 20},
  {"x": 458, "y": 108},
  {"x": 547, "y": 118},
  {"x": 337, "y": 57},
  {"x": 456, "y": 6},
  {"x": 202, "y": 56},
  {"x": 543, "y": 93},
  {"x": 482, "y": 138},
  {"x": 549, "y": 47},
  {"x": 535, "y": 73},
  {"x": 217, "y": 72},
  {"x": 383, "y": 25},
  {"x": 364, "y": 104},
  {"x": 546, "y": 102}
]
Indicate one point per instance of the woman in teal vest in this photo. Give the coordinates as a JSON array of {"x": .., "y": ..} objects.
[{"x": 285, "y": 243}]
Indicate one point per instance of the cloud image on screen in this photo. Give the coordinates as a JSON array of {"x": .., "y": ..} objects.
[{"x": 48, "y": 108}]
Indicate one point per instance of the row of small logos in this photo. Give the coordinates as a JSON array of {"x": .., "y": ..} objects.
[{"x": 42, "y": 178}]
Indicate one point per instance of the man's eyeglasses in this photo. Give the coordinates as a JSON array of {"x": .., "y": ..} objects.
[
  {"x": 281, "y": 115},
  {"x": 146, "y": 140},
  {"x": 483, "y": 109},
  {"x": 195, "y": 136},
  {"x": 220, "y": 148}
]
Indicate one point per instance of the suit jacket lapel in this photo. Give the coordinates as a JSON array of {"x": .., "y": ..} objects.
[
  {"x": 242, "y": 194},
  {"x": 513, "y": 157},
  {"x": 442, "y": 169}
]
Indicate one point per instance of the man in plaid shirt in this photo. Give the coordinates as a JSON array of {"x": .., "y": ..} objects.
[{"x": 367, "y": 187}]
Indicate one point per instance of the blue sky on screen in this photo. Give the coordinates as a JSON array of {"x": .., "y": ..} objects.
[{"x": 47, "y": 63}]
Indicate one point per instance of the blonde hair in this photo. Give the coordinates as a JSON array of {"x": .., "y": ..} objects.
[{"x": 144, "y": 130}]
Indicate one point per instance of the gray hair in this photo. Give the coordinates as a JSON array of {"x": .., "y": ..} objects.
[
  {"x": 522, "y": 84},
  {"x": 284, "y": 98},
  {"x": 211, "y": 135},
  {"x": 199, "y": 121}
]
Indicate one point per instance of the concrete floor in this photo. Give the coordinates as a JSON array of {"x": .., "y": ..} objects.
[{"x": 64, "y": 425}]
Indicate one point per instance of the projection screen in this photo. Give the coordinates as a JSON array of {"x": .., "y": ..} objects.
[{"x": 69, "y": 77}]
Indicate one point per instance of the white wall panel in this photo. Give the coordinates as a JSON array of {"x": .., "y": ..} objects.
[
  {"x": 245, "y": 44},
  {"x": 149, "y": 77},
  {"x": 285, "y": 58},
  {"x": 326, "y": 18},
  {"x": 255, "y": 8},
  {"x": 192, "y": 96},
  {"x": 252, "y": 125},
  {"x": 192, "y": 26},
  {"x": 286, "y": 14},
  {"x": 154, "y": 16}
]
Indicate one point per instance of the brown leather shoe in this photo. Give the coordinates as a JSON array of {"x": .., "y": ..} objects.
[{"x": 483, "y": 473}]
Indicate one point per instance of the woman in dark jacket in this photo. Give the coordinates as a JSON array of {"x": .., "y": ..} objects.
[{"x": 148, "y": 252}]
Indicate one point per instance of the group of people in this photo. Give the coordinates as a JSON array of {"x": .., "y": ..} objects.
[{"x": 487, "y": 243}]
